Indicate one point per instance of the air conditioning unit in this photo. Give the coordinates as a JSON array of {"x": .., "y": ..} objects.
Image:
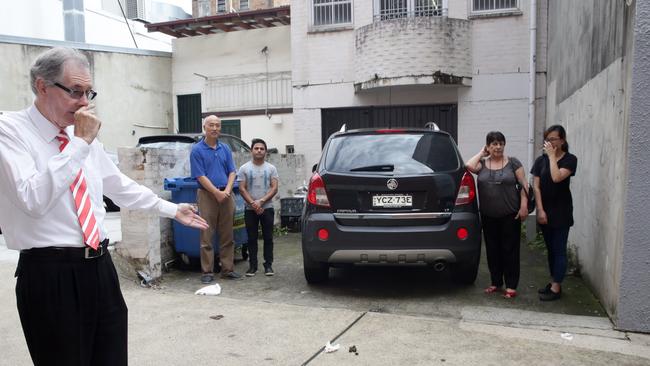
[{"x": 137, "y": 9}]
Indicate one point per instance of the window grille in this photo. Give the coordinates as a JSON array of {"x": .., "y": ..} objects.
[
  {"x": 392, "y": 9},
  {"x": 480, "y": 6},
  {"x": 203, "y": 8},
  {"x": 243, "y": 4},
  {"x": 221, "y": 6},
  {"x": 332, "y": 12}
]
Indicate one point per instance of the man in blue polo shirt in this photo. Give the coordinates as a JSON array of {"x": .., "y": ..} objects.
[{"x": 212, "y": 165}]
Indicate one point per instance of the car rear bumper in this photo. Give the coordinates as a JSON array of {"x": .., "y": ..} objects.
[{"x": 391, "y": 245}]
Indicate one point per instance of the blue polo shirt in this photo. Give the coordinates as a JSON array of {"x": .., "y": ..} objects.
[{"x": 215, "y": 164}]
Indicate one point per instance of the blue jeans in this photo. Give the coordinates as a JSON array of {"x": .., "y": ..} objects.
[
  {"x": 556, "y": 244},
  {"x": 252, "y": 222}
]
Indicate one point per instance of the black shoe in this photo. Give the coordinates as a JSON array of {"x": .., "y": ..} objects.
[
  {"x": 268, "y": 270},
  {"x": 251, "y": 271},
  {"x": 231, "y": 276},
  {"x": 207, "y": 278},
  {"x": 550, "y": 296},
  {"x": 544, "y": 290}
]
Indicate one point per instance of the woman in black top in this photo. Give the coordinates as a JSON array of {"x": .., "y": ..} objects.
[
  {"x": 502, "y": 207},
  {"x": 552, "y": 175}
]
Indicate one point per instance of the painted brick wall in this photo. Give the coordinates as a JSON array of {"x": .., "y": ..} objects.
[
  {"x": 147, "y": 239},
  {"x": 413, "y": 47}
]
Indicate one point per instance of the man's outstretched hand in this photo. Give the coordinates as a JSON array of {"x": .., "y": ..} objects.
[{"x": 187, "y": 216}]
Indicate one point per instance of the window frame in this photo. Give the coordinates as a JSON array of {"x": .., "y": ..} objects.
[
  {"x": 500, "y": 11},
  {"x": 331, "y": 26},
  {"x": 410, "y": 11}
]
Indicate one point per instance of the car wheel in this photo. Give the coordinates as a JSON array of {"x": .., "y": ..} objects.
[
  {"x": 464, "y": 273},
  {"x": 315, "y": 272}
]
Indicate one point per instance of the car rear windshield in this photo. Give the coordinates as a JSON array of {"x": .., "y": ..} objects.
[{"x": 401, "y": 153}]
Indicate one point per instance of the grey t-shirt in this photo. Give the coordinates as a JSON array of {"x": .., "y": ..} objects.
[
  {"x": 498, "y": 195},
  {"x": 258, "y": 180}
]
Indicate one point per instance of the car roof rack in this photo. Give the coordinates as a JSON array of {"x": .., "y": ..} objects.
[{"x": 432, "y": 126}]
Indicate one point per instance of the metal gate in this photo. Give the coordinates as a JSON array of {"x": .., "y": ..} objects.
[{"x": 444, "y": 115}]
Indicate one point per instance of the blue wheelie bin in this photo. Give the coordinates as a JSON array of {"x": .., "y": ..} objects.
[{"x": 187, "y": 239}]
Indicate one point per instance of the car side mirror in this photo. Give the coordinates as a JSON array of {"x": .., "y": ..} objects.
[{"x": 313, "y": 168}]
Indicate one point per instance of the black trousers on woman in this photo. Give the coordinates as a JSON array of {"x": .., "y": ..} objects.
[
  {"x": 71, "y": 308},
  {"x": 502, "y": 237}
]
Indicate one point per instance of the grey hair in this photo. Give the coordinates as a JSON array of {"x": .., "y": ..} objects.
[{"x": 49, "y": 64}]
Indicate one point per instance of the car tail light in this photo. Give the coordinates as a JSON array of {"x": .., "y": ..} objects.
[
  {"x": 467, "y": 191},
  {"x": 316, "y": 195},
  {"x": 462, "y": 233},
  {"x": 323, "y": 234}
]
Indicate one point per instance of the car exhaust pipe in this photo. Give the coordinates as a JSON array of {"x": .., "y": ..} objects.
[{"x": 439, "y": 266}]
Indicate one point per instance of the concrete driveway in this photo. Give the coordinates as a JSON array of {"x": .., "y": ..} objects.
[
  {"x": 390, "y": 316},
  {"x": 395, "y": 290}
]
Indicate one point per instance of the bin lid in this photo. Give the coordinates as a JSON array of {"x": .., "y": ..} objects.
[{"x": 176, "y": 184}]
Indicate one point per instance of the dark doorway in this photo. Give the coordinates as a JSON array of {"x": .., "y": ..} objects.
[
  {"x": 189, "y": 113},
  {"x": 444, "y": 115}
]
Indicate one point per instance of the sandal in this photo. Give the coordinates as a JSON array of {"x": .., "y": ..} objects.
[
  {"x": 510, "y": 294},
  {"x": 492, "y": 289}
]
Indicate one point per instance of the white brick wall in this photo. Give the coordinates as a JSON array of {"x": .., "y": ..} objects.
[{"x": 413, "y": 47}]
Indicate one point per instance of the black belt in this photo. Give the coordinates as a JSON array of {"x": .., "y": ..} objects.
[{"x": 68, "y": 252}]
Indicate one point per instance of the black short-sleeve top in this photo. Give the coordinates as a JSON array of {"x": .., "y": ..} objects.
[
  {"x": 556, "y": 197},
  {"x": 498, "y": 195}
]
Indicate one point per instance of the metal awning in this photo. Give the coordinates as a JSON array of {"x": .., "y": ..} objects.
[{"x": 229, "y": 22}]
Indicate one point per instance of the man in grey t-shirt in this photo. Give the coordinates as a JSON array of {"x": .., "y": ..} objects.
[{"x": 258, "y": 183}]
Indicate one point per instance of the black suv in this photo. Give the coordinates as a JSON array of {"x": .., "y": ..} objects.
[{"x": 392, "y": 197}]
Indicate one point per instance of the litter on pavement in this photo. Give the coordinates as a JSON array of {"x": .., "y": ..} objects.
[
  {"x": 329, "y": 348},
  {"x": 567, "y": 336},
  {"x": 211, "y": 290}
]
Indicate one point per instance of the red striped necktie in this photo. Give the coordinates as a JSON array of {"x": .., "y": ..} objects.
[{"x": 79, "y": 190}]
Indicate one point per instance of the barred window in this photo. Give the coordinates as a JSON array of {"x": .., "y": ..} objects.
[
  {"x": 203, "y": 8},
  {"x": 391, "y": 9},
  {"x": 243, "y": 4},
  {"x": 332, "y": 12},
  {"x": 488, "y": 6},
  {"x": 221, "y": 6}
]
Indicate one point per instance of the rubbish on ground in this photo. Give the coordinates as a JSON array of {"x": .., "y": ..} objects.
[
  {"x": 216, "y": 317},
  {"x": 567, "y": 336},
  {"x": 353, "y": 349},
  {"x": 209, "y": 290},
  {"x": 145, "y": 279},
  {"x": 329, "y": 348}
]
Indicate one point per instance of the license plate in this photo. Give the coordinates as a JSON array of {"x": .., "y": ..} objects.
[{"x": 392, "y": 200}]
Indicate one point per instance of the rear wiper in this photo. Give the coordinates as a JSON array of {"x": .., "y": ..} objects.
[{"x": 374, "y": 168}]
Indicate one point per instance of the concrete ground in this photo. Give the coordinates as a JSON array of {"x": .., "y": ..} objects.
[{"x": 389, "y": 315}]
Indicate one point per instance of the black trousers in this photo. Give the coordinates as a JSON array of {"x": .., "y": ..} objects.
[
  {"x": 252, "y": 227},
  {"x": 502, "y": 237},
  {"x": 71, "y": 310}
]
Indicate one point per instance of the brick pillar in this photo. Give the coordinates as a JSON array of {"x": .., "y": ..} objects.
[{"x": 147, "y": 239}]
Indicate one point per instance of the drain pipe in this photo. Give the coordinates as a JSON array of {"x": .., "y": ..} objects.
[
  {"x": 532, "y": 74},
  {"x": 531, "y": 82}
]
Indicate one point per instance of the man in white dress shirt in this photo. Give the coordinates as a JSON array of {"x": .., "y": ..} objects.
[{"x": 53, "y": 172}]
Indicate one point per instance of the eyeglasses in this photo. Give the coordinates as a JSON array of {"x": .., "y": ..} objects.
[{"x": 77, "y": 94}]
